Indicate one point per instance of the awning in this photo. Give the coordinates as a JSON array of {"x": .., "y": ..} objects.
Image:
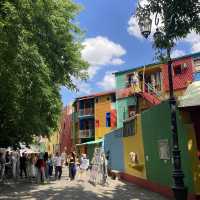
[
  {"x": 90, "y": 142},
  {"x": 191, "y": 97}
]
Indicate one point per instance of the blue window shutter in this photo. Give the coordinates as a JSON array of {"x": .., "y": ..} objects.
[{"x": 108, "y": 119}]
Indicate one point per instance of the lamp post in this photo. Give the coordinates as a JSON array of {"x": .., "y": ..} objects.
[{"x": 179, "y": 189}]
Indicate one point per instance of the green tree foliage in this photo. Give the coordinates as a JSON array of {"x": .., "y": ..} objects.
[
  {"x": 40, "y": 50},
  {"x": 178, "y": 18}
]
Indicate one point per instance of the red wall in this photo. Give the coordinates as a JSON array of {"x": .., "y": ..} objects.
[
  {"x": 66, "y": 130},
  {"x": 180, "y": 81},
  {"x": 113, "y": 118}
]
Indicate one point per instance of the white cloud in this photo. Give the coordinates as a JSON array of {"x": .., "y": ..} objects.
[
  {"x": 100, "y": 51},
  {"x": 108, "y": 81},
  {"x": 194, "y": 40},
  {"x": 92, "y": 70},
  {"x": 196, "y": 47},
  {"x": 177, "y": 53},
  {"x": 83, "y": 86},
  {"x": 117, "y": 61},
  {"x": 133, "y": 28}
]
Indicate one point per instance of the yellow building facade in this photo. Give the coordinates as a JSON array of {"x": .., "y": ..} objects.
[
  {"x": 134, "y": 160},
  {"x": 53, "y": 143},
  {"x": 192, "y": 149},
  {"x": 103, "y": 108}
]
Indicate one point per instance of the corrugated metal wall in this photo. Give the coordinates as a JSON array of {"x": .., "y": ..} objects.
[
  {"x": 113, "y": 146},
  {"x": 156, "y": 127}
]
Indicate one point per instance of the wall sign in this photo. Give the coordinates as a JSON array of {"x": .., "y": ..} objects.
[{"x": 163, "y": 148}]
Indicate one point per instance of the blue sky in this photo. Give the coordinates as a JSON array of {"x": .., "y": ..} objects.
[{"x": 113, "y": 43}]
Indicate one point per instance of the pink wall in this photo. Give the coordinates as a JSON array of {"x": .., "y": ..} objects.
[{"x": 66, "y": 130}]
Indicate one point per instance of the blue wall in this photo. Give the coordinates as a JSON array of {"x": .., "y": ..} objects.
[{"x": 114, "y": 145}]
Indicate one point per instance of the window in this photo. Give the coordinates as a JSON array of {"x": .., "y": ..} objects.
[
  {"x": 108, "y": 98},
  {"x": 131, "y": 110},
  {"x": 129, "y": 78},
  {"x": 177, "y": 70},
  {"x": 113, "y": 98},
  {"x": 108, "y": 121},
  {"x": 97, "y": 100},
  {"x": 129, "y": 128}
]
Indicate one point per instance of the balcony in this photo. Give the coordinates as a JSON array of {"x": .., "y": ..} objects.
[
  {"x": 87, "y": 133},
  {"x": 86, "y": 112}
]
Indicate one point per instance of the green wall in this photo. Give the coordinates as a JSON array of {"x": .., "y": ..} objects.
[
  {"x": 156, "y": 126},
  {"x": 120, "y": 81},
  {"x": 122, "y": 109},
  {"x": 90, "y": 150}
]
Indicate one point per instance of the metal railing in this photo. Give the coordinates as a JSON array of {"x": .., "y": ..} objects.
[
  {"x": 87, "y": 133},
  {"x": 150, "y": 88},
  {"x": 86, "y": 111}
]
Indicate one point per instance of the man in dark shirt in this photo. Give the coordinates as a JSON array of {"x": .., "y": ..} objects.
[
  {"x": 23, "y": 165},
  {"x": 2, "y": 165}
]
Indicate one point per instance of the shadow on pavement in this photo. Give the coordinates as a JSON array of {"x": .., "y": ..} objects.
[{"x": 67, "y": 190}]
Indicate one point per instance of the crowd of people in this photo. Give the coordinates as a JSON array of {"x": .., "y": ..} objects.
[{"x": 41, "y": 167}]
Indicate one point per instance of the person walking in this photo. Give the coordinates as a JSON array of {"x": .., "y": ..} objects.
[
  {"x": 46, "y": 166},
  {"x": 72, "y": 166},
  {"x": 23, "y": 163},
  {"x": 2, "y": 166},
  {"x": 50, "y": 165},
  {"x": 40, "y": 164},
  {"x": 8, "y": 164},
  {"x": 58, "y": 166},
  {"x": 84, "y": 164},
  {"x": 14, "y": 164}
]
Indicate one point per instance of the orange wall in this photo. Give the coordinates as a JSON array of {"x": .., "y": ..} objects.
[{"x": 103, "y": 106}]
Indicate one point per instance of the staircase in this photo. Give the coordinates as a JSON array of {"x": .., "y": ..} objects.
[{"x": 150, "y": 97}]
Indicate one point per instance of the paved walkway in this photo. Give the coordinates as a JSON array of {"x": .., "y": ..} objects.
[{"x": 75, "y": 190}]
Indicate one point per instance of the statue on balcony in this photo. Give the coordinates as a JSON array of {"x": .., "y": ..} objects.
[{"x": 135, "y": 84}]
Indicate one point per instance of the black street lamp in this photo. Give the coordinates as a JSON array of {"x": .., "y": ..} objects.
[{"x": 179, "y": 189}]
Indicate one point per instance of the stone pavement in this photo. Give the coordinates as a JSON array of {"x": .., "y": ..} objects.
[{"x": 75, "y": 190}]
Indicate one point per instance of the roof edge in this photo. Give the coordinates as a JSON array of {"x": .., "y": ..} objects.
[{"x": 156, "y": 63}]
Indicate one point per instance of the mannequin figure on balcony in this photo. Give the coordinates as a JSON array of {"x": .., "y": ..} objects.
[
  {"x": 153, "y": 83},
  {"x": 135, "y": 85}
]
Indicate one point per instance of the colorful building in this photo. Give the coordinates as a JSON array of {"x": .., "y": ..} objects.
[
  {"x": 52, "y": 144},
  {"x": 94, "y": 116},
  {"x": 144, "y": 116},
  {"x": 113, "y": 147},
  {"x": 66, "y": 130},
  {"x": 157, "y": 142}
]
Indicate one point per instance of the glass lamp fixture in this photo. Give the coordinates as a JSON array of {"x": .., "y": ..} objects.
[{"x": 145, "y": 24}]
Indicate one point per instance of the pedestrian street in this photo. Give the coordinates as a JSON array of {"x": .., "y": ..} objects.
[{"x": 74, "y": 190}]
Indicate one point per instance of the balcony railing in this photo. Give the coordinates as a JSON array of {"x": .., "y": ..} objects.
[
  {"x": 86, "y": 111},
  {"x": 88, "y": 133}
]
